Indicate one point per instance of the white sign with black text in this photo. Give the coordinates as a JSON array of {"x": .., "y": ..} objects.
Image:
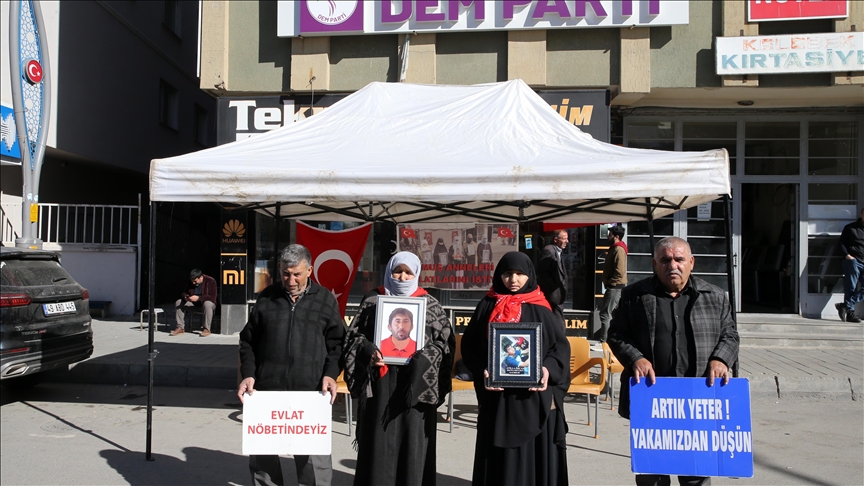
[{"x": 283, "y": 422}]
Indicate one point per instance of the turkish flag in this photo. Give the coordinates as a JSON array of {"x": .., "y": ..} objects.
[
  {"x": 505, "y": 233},
  {"x": 335, "y": 255},
  {"x": 408, "y": 233}
]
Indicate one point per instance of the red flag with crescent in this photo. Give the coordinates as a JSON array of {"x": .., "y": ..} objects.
[
  {"x": 408, "y": 233},
  {"x": 505, "y": 232},
  {"x": 335, "y": 256}
]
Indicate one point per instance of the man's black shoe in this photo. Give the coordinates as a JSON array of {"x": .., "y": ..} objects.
[
  {"x": 850, "y": 317},
  {"x": 841, "y": 309}
]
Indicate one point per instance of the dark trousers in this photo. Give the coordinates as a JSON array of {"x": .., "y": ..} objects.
[
  {"x": 610, "y": 302},
  {"x": 665, "y": 480},
  {"x": 311, "y": 470},
  {"x": 182, "y": 308}
]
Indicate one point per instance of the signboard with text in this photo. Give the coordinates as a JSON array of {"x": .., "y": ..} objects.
[
  {"x": 682, "y": 426},
  {"x": 791, "y": 53},
  {"x": 283, "y": 422},
  {"x": 233, "y": 257},
  {"x": 352, "y": 17},
  {"x": 769, "y": 10},
  {"x": 244, "y": 117},
  {"x": 9, "y": 134}
]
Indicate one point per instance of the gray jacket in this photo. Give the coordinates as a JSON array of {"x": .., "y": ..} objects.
[{"x": 631, "y": 334}]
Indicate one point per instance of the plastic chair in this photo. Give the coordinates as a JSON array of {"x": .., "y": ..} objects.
[
  {"x": 457, "y": 384},
  {"x": 581, "y": 364},
  {"x": 614, "y": 366},
  {"x": 342, "y": 388}
]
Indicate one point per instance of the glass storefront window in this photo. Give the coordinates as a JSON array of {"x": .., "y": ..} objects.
[
  {"x": 830, "y": 207},
  {"x": 701, "y": 136},
  {"x": 652, "y": 135},
  {"x": 833, "y": 148},
  {"x": 772, "y": 148}
]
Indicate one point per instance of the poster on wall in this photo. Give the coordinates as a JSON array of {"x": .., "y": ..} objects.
[{"x": 458, "y": 255}]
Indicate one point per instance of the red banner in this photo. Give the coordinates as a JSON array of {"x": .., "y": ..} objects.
[
  {"x": 762, "y": 10},
  {"x": 335, "y": 255}
]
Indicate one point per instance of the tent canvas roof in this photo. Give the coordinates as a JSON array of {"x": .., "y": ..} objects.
[{"x": 407, "y": 153}]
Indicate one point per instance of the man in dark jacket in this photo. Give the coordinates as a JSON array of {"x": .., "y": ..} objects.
[
  {"x": 672, "y": 325},
  {"x": 292, "y": 342},
  {"x": 200, "y": 295},
  {"x": 551, "y": 275},
  {"x": 852, "y": 249}
]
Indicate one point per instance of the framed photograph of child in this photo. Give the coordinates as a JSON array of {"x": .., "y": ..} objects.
[
  {"x": 514, "y": 355},
  {"x": 400, "y": 327}
]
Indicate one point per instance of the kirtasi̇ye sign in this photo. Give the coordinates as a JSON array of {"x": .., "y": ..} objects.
[
  {"x": 769, "y": 10},
  {"x": 683, "y": 426},
  {"x": 351, "y": 17},
  {"x": 793, "y": 53}
]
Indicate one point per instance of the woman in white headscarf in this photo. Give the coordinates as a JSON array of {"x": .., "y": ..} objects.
[{"x": 397, "y": 419}]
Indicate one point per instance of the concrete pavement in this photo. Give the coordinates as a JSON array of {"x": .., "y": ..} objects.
[{"x": 120, "y": 358}]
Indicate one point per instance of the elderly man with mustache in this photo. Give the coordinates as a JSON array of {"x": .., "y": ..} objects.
[{"x": 672, "y": 324}]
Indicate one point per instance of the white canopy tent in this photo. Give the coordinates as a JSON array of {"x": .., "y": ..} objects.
[{"x": 408, "y": 153}]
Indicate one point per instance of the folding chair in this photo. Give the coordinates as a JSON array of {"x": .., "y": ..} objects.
[
  {"x": 614, "y": 366},
  {"x": 581, "y": 364},
  {"x": 458, "y": 385}
]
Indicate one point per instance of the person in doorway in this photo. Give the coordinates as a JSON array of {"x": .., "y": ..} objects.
[
  {"x": 292, "y": 342},
  {"x": 551, "y": 274},
  {"x": 399, "y": 344},
  {"x": 397, "y": 420},
  {"x": 672, "y": 324},
  {"x": 521, "y": 432},
  {"x": 614, "y": 277},
  {"x": 852, "y": 249},
  {"x": 200, "y": 296}
]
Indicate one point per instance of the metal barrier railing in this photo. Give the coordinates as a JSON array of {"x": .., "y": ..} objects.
[
  {"x": 89, "y": 223},
  {"x": 7, "y": 230}
]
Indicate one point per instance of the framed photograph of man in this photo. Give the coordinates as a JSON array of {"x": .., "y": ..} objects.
[
  {"x": 400, "y": 327},
  {"x": 514, "y": 354}
]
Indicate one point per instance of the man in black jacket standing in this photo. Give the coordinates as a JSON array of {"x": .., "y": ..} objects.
[
  {"x": 852, "y": 249},
  {"x": 673, "y": 324},
  {"x": 551, "y": 275},
  {"x": 292, "y": 342}
]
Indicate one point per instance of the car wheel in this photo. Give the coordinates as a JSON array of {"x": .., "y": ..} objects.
[{"x": 23, "y": 382}]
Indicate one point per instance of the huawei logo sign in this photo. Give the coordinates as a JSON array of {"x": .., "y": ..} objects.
[{"x": 233, "y": 228}]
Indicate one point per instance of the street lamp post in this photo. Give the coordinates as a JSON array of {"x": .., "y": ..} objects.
[{"x": 31, "y": 102}]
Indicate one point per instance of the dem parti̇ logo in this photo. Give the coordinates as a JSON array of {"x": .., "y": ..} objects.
[{"x": 331, "y": 12}]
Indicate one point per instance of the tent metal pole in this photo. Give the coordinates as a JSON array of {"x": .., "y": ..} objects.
[
  {"x": 151, "y": 353},
  {"x": 730, "y": 267},
  {"x": 278, "y": 223},
  {"x": 649, "y": 215}
]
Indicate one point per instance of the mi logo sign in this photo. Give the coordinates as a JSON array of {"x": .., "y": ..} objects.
[
  {"x": 576, "y": 115},
  {"x": 233, "y": 277}
]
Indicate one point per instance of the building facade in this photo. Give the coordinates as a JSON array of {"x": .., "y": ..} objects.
[
  {"x": 781, "y": 89},
  {"x": 124, "y": 90}
]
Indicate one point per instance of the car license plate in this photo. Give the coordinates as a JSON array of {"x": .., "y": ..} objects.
[{"x": 58, "y": 308}]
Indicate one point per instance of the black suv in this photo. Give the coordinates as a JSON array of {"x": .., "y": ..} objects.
[{"x": 44, "y": 316}]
